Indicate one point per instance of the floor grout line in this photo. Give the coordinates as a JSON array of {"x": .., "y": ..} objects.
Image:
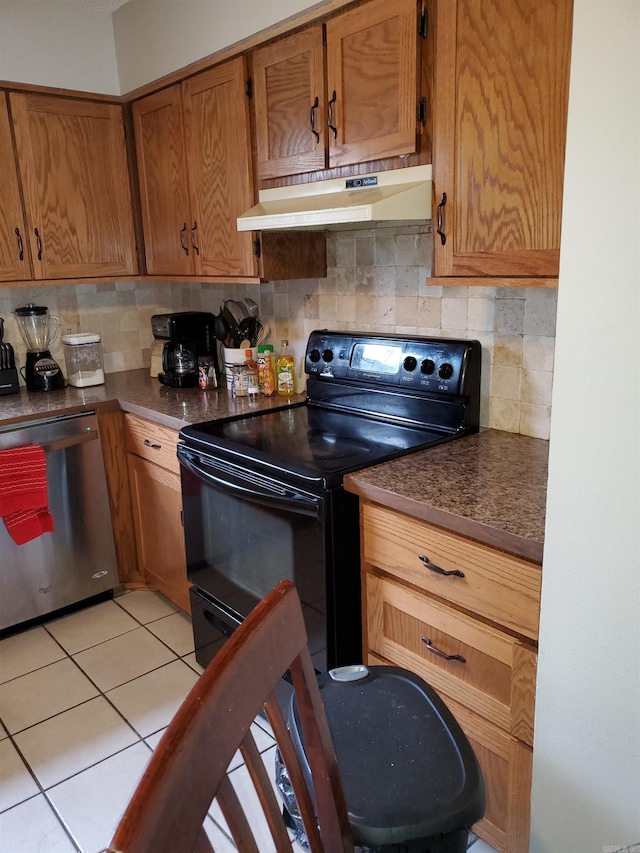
[{"x": 67, "y": 824}]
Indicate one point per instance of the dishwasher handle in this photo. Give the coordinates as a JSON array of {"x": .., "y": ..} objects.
[
  {"x": 55, "y": 442},
  {"x": 69, "y": 441}
]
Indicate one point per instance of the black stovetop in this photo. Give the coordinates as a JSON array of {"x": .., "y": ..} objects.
[
  {"x": 370, "y": 398},
  {"x": 313, "y": 445}
]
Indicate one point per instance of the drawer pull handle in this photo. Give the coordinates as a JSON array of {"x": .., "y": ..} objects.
[
  {"x": 312, "y": 119},
  {"x": 331, "y": 120},
  {"x": 20, "y": 244},
  {"x": 148, "y": 443},
  {"x": 433, "y": 568},
  {"x": 440, "y": 653},
  {"x": 184, "y": 248},
  {"x": 440, "y": 220}
]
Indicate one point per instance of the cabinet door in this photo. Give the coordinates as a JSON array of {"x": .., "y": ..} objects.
[
  {"x": 218, "y": 145},
  {"x": 73, "y": 165},
  {"x": 290, "y": 108},
  {"x": 14, "y": 251},
  {"x": 500, "y": 110},
  {"x": 507, "y": 766},
  {"x": 162, "y": 172},
  {"x": 157, "y": 503},
  {"x": 372, "y": 82}
]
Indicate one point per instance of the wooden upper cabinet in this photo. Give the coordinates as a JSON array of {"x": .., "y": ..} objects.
[
  {"x": 73, "y": 164},
  {"x": 193, "y": 148},
  {"x": 500, "y": 113},
  {"x": 372, "y": 81},
  {"x": 14, "y": 251},
  {"x": 164, "y": 195},
  {"x": 364, "y": 107},
  {"x": 220, "y": 176},
  {"x": 290, "y": 106}
]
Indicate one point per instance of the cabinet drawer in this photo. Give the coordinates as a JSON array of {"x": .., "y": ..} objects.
[
  {"x": 506, "y": 765},
  {"x": 153, "y": 442},
  {"x": 482, "y": 668},
  {"x": 493, "y": 584}
]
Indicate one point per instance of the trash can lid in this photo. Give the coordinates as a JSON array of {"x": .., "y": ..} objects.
[{"x": 407, "y": 768}]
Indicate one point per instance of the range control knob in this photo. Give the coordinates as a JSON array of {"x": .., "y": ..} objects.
[
  {"x": 327, "y": 355},
  {"x": 427, "y": 367},
  {"x": 446, "y": 371},
  {"x": 410, "y": 363},
  {"x": 314, "y": 356}
]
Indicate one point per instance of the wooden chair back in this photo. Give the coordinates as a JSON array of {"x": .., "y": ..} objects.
[{"x": 188, "y": 768}]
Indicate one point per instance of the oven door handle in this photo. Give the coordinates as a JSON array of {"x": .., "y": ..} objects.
[{"x": 292, "y": 501}]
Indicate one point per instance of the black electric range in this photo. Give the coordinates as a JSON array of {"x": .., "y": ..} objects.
[
  {"x": 263, "y": 496},
  {"x": 369, "y": 399}
]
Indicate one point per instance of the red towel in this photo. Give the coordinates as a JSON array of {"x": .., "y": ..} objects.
[{"x": 23, "y": 493}]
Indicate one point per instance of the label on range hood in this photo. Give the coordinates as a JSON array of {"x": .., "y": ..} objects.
[{"x": 367, "y": 181}]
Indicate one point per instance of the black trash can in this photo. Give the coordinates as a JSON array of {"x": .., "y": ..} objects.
[{"x": 410, "y": 777}]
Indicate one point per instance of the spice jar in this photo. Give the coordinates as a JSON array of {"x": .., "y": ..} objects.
[{"x": 206, "y": 373}]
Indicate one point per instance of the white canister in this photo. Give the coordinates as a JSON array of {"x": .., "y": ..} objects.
[
  {"x": 234, "y": 357},
  {"x": 83, "y": 359}
]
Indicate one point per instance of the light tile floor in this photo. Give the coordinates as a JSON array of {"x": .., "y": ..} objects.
[{"x": 84, "y": 700}]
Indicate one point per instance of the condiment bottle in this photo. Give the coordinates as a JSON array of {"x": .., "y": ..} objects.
[
  {"x": 285, "y": 370},
  {"x": 266, "y": 377},
  {"x": 251, "y": 374}
]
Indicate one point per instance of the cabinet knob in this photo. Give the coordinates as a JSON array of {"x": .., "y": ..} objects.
[{"x": 148, "y": 443}]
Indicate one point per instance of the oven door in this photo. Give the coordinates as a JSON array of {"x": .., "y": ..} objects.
[{"x": 243, "y": 533}]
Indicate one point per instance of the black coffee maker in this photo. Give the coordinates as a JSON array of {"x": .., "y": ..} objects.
[{"x": 187, "y": 336}]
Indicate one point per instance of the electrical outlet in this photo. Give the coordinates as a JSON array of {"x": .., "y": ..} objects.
[{"x": 70, "y": 329}]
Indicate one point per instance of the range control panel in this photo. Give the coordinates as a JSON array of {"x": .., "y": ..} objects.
[{"x": 438, "y": 365}]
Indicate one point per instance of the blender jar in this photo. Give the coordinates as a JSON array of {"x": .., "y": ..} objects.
[
  {"x": 38, "y": 328},
  {"x": 83, "y": 358}
]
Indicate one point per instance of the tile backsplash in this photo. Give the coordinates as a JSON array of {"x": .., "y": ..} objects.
[{"x": 376, "y": 281}]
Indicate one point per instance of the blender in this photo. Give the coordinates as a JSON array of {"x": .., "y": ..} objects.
[{"x": 39, "y": 330}]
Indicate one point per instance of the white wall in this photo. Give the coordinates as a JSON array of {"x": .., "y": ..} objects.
[
  {"x": 58, "y": 43},
  {"x": 586, "y": 783},
  {"x": 155, "y": 37}
]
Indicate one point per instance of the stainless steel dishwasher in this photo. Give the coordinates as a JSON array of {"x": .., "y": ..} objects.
[{"x": 77, "y": 560}]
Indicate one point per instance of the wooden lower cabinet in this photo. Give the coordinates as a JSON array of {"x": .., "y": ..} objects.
[
  {"x": 483, "y": 670},
  {"x": 154, "y": 477}
]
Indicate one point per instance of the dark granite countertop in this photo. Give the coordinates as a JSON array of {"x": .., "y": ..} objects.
[
  {"x": 136, "y": 392},
  {"x": 490, "y": 487}
]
